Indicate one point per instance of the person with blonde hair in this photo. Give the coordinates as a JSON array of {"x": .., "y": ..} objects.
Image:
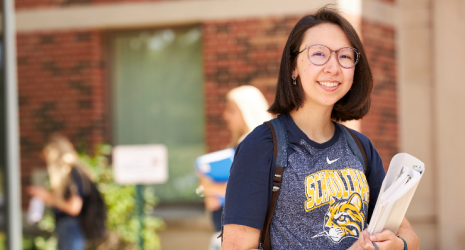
[
  {"x": 246, "y": 108},
  {"x": 69, "y": 181}
]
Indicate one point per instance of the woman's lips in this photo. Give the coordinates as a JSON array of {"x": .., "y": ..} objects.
[{"x": 329, "y": 86}]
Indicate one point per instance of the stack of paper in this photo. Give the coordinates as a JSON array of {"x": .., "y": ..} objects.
[
  {"x": 399, "y": 185},
  {"x": 35, "y": 211},
  {"x": 216, "y": 165}
]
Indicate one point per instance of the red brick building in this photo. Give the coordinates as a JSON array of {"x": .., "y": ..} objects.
[
  {"x": 68, "y": 61},
  {"x": 87, "y": 68}
]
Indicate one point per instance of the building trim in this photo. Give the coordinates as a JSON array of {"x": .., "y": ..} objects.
[
  {"x": 381, "y": 12},
  {"x": 129, "y": 15}
]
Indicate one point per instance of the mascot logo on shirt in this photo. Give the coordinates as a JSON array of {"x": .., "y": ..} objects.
[
  {"x": 346, "y": 192},
  {"x": 344, "y": 219}
]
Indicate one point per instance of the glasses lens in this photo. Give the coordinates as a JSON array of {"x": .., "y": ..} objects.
[
  {"x": 347, "y": 57},
  {"x": 318, "y": 54}
]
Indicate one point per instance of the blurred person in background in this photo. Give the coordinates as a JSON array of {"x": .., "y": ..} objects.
[
  {"x": 246, "y": 108},
  {"x": 68, "y": 180}
]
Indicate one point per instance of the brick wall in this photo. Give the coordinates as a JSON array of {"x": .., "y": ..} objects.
[
  {"x": 61, "y": 89},
  {"x": 238, "y": 53},
  {"x": 381, "y": 124}
]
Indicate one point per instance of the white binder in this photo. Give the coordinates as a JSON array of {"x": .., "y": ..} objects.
[{"x": 399, "y": 185}]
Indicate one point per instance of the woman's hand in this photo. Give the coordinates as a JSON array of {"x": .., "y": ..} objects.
[
  {"x": 210, "y": 187},
  {"x": 212, "y": 203},
  {"x": 363, "y": 242},
  {"x": 42, "y": 193},
  {"x": 71, "y": 206},
  {"x": 387, "y": 240}
]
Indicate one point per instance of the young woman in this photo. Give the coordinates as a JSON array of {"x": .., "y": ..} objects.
[
  {"x": 69, "y": 182},
  {"x": 246, "y": 108},
  {"x": 326, "y": 197}
]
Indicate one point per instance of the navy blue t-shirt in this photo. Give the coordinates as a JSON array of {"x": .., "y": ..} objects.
[
  {"x": 75, "y": 187},
  {"x": 320, "y": 182}
]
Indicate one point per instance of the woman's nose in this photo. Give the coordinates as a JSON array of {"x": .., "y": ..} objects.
[{"x": 332, "y": 66}]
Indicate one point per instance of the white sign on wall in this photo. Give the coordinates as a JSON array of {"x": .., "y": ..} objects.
[{"x": 140, "y": 164}]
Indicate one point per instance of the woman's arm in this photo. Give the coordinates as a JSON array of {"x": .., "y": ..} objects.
[
  {"x": 407, "y": 233},
  {"x": 71, "y": 206},
  {"x": 248, "y": 191},
  {"x": 238, "y": 237},
  {"x": 210, "y": 187}
]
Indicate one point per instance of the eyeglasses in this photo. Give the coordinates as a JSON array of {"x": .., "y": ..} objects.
[{"x": 319, "y": 54}]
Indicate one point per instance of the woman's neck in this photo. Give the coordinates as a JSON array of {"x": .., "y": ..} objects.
[{"x": 315, "y": 122}]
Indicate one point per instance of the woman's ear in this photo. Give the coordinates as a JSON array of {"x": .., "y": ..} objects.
[{"x": 294, "y": 74}]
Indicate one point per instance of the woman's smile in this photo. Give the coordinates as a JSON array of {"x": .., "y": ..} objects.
[{"x": 329, "y": 85}]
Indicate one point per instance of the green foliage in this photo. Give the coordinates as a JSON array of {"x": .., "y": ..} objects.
[
  {"x": 122, "y": 222},
  {"x": 43, "y": 243},
  {"x": 46, "y": 224},
  {"x": 121, "y": 204}
]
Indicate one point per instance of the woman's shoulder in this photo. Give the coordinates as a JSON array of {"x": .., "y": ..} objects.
[
  {"x": 261, "y": 135},
  {"x": 373, "y": 157},
  {"x": 364, "y": 140},
  {"x": 255, "y": 150}
]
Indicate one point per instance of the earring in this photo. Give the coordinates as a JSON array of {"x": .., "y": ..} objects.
[{"x": 293, "y": 78}]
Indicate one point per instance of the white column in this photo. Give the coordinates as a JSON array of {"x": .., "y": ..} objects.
[
  {"x": 12, "y": 169},
  {"x": 449, "y": 123},
  {"x": 416, "y": 117}
]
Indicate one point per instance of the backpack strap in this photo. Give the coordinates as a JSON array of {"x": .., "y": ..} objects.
[
  {"x": 355, "y": 145},
  {"x": 280, "y": 143}
]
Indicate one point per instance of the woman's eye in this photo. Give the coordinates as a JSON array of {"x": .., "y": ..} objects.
[
  {"x": 345, "y": 57},
  {"x": 319, "y": 54}
]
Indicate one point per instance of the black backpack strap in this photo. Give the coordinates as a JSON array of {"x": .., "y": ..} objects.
[
  {"x": 355, "y": 145},
  {"x": 280, "y": 144}
]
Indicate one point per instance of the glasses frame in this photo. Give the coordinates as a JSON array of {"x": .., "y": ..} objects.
[{"x": 330, "y": 54}]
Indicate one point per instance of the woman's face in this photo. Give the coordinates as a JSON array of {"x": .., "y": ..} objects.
[
  {"x": 233, "y": 117},
  {"x": 51, "y": 154},
  {"x": 324, "y": 85}
]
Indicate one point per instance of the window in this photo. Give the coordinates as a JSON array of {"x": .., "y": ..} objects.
[{"x": 157, "y": 98}]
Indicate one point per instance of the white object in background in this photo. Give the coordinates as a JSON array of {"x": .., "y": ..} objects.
[
  {"x": 399, "y": 185},
  {"x": 36, "y": 210},
  {"x": 215, "y": 242},
  {"x": 140, "y": 164}
]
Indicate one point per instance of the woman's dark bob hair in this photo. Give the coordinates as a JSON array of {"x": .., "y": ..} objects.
[{"x": 356, "y": 103}]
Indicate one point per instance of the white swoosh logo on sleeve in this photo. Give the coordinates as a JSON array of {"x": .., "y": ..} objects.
[{"x": 330, "y": 162}]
